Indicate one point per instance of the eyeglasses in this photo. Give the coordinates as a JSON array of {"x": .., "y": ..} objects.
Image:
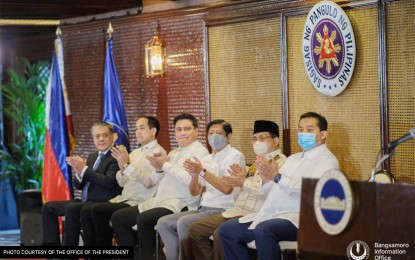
[{"x": 260, "y": 138}]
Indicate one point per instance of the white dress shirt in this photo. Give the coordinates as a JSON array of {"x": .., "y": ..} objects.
[
  {"x": 283, "y": 200},
  {"x": 137, "y": 179},
  {"x": 218, "y": 164},
  {"x": 173, "y": 184}
]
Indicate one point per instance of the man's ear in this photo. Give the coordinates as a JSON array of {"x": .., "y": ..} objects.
[
  {"x": 153, "y": 131},
  {"x": 323, "y": 135},
  {"x": 229, "y": 136},
  {"x": 276, "y": 141}
]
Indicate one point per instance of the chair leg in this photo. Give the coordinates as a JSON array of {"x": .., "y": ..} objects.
[
  {"x": 63, "y": 229},
  {"x": 157, "y": 243}
]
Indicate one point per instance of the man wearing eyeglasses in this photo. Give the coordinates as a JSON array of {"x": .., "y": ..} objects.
[
  {"x": 249, "y": 191},
  {"x": 278, "y": 218}
]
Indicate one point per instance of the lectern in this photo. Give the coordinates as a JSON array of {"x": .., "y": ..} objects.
[{"x": 383, "y": 216}]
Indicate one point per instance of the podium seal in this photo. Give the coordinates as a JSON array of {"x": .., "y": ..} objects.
[{"x": 333, "y": 202}]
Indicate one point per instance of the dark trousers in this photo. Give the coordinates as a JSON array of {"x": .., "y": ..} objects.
[
  {"x": 122, "y": 221},
  {"x": 101, "y": 215},
  {"x": 75, "y": 212},
  {"x": 146, "y": 234},
  {"x": 50, "y": 213},
  {"x": 267, "y": 235}
]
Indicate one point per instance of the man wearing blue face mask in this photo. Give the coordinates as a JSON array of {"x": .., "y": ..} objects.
[
  {"x": 278, "y": 218},
  {"x": 205, "y": 175}
]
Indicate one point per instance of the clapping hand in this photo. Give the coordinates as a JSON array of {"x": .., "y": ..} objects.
[
  {"x": 237, "y": 176},
  {"x": 267, "y": 169},
  {"x": 157, "y": 160},
  {"x": 193, "y": 166},
  {"x": 77, "y": 163},
  {"x": 121, "y": 155}
]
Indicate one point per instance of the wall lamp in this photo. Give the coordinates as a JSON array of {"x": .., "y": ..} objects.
[{"x": 154, "y": 56}]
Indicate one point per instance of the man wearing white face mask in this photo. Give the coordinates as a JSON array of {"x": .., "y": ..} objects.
[
  {"x": 266, "y": 139},
  {"x": 278, "y": 218},
  {"x": 249, "y": 192},
  {"x": 205, "y": 175}
]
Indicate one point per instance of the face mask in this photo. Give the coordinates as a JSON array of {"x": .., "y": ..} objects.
[
  {"x": 217, "y": 142},
  {"x": 260, "y": 147},
  {"x": 307, "y": 140}
]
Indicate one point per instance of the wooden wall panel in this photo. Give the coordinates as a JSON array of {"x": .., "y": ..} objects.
[
  {"x": 401, "y": 70},
  {"x": 245, "y": 78}
]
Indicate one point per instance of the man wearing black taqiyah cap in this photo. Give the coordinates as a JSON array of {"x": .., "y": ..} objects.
[
  {"x": 249, "y": 189},
  {"x": 266, "y": 139}
]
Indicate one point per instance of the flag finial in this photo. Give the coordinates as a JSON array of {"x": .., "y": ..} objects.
[
  {"x": 58, "y": 32},
  {"x": 110, "y": 30}
]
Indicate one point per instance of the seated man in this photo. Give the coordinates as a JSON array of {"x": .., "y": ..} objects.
[
  {"x": 278, "y": 218},
  {"x": 249, "y": 190},
  {"x": 135, "y": 176},
  {"x": 205, "y": 175},
  {"x": 172, "y": 194},
  {"x": 96, "y": 178}
]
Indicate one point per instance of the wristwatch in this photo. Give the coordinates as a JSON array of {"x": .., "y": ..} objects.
[
  {"x": 202, "y": 173},
  {"x": 277, "y": 178}
]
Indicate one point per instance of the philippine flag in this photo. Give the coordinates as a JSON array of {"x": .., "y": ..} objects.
[{"x": 60, "y": 142}]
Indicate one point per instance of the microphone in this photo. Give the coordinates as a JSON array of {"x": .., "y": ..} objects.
[{"x": 408, "y": 136}]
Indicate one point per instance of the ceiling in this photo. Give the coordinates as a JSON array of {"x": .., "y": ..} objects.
[
  {"x": 56, "y": 10},
  {"x": 34, "y": 42},
  {"x": 61, "y": 9}
]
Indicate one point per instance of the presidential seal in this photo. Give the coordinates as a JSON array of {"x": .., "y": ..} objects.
[
  {"x": 333, "y": 202},
  {"x": 358, "y": 250},
  {"x": 329, "y": 48}
]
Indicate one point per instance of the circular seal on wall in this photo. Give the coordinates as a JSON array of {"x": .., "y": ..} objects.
[
  {"x": 358, "y": 250},
  {"x": 329, "y": 48},
  {"x": 333, "y": 202}
]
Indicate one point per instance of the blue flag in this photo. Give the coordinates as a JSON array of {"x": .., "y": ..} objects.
[{"x": 114, "y": 113}]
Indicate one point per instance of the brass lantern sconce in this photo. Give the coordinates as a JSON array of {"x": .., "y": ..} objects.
[{"x": 154, "y": 56}]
